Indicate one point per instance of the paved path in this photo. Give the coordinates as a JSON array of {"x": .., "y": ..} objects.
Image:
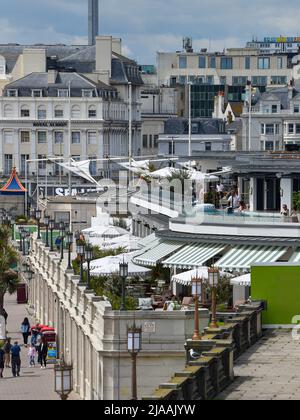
[
  {"x": 270, "y": 370},
  {"x": 34, "y": 383}
]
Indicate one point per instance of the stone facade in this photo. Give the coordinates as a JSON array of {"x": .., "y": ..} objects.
[{"x": 93, "y": 336}]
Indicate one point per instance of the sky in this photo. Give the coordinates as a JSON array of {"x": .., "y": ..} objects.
[{"x": 148, "y": 26}]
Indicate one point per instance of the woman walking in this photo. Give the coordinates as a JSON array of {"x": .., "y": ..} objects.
[
  {"x": 43, "y": 353},
  {"x": 25, "y": 329},
  {"x": 7, "y": 349},
  {"x": 31, "y": 355}
]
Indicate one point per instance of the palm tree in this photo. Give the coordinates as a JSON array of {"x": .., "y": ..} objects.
[{"x": 8, "y": 258}]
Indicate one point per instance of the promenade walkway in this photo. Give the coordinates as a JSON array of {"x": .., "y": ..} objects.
[
  {"x": 270, "y": 370},
  {"x": 34, "y": 383}
]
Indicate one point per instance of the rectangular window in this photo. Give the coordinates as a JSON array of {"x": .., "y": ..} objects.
[
  {"x": 12, "y": 93},
  {"x": 202, "y": 62},
  {"x": 36, "y": 93},
  {"x": 8, "y": 164},
  {"x": 87, "y": 93},
  {"x": 58, "y": 113},
  {"x": 58, "y": 137},
  {"x": 210, "y": 80},
  {"x": 42, "y": 164},
  {"x": 247, "y": 63},
  {"x": 145, "y": 141},
  {"x": 212, "y": 62},
  {"x": 24, "y": 158},
  {"x": 63, "y": 93},
  {"x": 269, "y": 129},
  {"x": 226, "y": 63},
  {"x": 92, "y": 113},
  {"x": 259, "y": 80},
  {"x": 291, "y": 128},
  {"x": 263, "y": 63},
  {"x": 25, "y": 136},
  {"x": 239, "y": 81},
  {"x": 42, "y": 137},
  {"x": 279, "y": 62},
  {"x": 76, "y": 137},
  {"x": 92, "y": 137},
  {"x": 182, "y": 62},
  {"x": 182, "y": 80},
  {"x": 277, "y": 128},
  {"x": 208, "y": 146},
  {"x": 171, "y": 148},
  {"x": 93, "y": 165},
  {"x": 278, "y": 80},
  {"x": 296, "y": 108},
  {"x": 8, "y": 137},
  {"x": 223, "y": 80},
  {"x": 297, "y": 128},
  {"x": 274, "y": 109},
  {"x": 269, "y": 145},
  {"x": 25, "y": 113}
]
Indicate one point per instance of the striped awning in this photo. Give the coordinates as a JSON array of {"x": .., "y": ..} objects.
[
  {"x": 240, "y": 258},
  {"x": 147, "y": 240},
  {"x": 295, "y": 257},
  {"x": 194, "y": 255},
  {"x": 158, "y": 253}
]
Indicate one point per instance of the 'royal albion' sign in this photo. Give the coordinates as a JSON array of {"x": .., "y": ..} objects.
[{"x": 50, "y": 124}]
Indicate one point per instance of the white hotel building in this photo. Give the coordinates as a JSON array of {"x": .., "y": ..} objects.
[{"x": 34, "y": 122}]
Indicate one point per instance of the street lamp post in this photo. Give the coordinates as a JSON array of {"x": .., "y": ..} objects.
[
  {"x": 69, "y": 241},
  {"x": 196, "y": 292},
  {"x": 21, "y": 239},
  {"x": 51, "y": 228},
  {"x": 38, "y": 216},
  {"x": 134, "y": 346},
  {"x": 123, "y": 271},
  {"x": 62, "y": 237},
  {"x": 213, "y": 277},
  {"x": 46, "y": 223},
  {"x": 80, "y": 251},
  {"x": 63, "y": 379},
  {"x": 88, "y": 254}
]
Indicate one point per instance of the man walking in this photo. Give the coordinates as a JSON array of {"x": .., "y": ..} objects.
[
  {"x": 7, "y": 350},
  {"x": 16, "y": 359}
]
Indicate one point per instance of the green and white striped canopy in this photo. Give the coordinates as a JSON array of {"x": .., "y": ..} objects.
[
  {"x": 194, "y": 255},
  {"x": 240, "y": 258},
  {"x": 158, "y": 253}
]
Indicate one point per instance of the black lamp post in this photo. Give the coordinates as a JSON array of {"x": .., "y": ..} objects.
[
  {"x": 69, "y": 241},
  {"x": 134, "y": 346},
  {"x": 88, "y": 254},
  {"x": 38, "y": 216},
  {"x": 213, "y": 277},
  {"x": 21, "y": 239},
  {"x": 26, "y": 247},
  {"x": 46, "y": 223},
  {"x": 80, "y": 251},
  {"x": 62, "y": 237},
  {"x": 123, "y": 271},
  {"x": 63, "y": 379},
  {"x": 51, "y": 228}
]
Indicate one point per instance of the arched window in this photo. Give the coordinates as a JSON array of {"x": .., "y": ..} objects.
[
  {"x": 8, "y": 111},
  {"x": 42, "y": 113},
  {"x": 75, "y": 113},
  {"x": 92, "y": 112},
  {"x": 25, "y": 111}
]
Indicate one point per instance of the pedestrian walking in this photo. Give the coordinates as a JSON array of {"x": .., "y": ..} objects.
[
  {"x": 16, "y": 359},
  {"x": 43, "y": 353},
  {"x": 2, "y": 356},
  {"x": 31, "y": 355},
  {"x": 25, "y": 329},
  {"x": 7, "y": 349}
]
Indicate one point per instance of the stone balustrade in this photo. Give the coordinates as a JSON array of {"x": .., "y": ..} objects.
[
  {"x": 93, "y": 337},
  {"x": 210, "y": 361}
]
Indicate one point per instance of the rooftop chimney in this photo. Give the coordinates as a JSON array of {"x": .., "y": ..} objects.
[{"x": 93, "y": 21}]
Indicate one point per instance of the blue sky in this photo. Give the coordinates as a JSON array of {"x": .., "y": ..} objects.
[{"x": 147, "y": 26}]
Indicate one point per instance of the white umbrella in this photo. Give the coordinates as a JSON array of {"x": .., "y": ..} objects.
[
  {"x": 201, "y": 272},
  {"x": 127, "y": 242},
  {"x": 244, "y": 280},
  {"x": 105, "y": 232},
  {"x": 110, "y": 265},
  {"x": 164, "y": 173}
]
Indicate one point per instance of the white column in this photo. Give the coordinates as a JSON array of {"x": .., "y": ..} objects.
[
  {"x": 33, "y": 166},
  {"x": 286, "y": 192},
  {"x": 253, "y": 194},
  {"x": 16, "y": 155}
]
